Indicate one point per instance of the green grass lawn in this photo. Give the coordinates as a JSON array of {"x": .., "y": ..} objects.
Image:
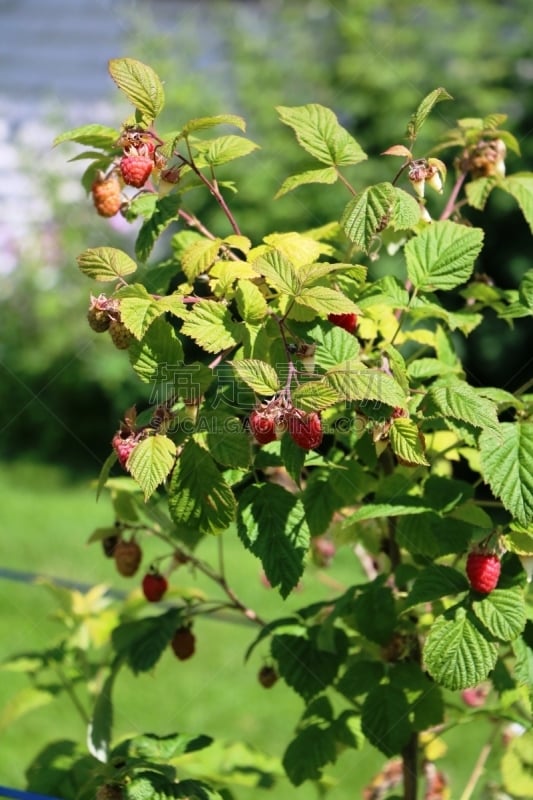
[{"x": 48, "y": 518}]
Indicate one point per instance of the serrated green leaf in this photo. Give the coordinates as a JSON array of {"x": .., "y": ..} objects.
[
  {"x": 318, "y": 131},
  {"x": 300, "y": 249},
  {"x": 385, "y": 719},
  {"x": 278, "y": 272},
  {"x": 325, "y": 301},
  {"x": 406, "y": 211},
  {"x": 434, "y": 582},
  {"x": 94, "y": 135},
  {"x": 315, "y": 396},
  {"x": 199, "y": 497},
  {"x": 204, "y": 123},
  {"x": 478, "y": 191},
  {"x": 159, "y": 355},
  {"x": 320, "y": 501},
  {"x": 337, "y": 347},
  {"x": 424, "y": 109},
  {"x": 272, "y": 525},
  {"x": 223, "y": 149},
  {"x": 456, "y": 653},
  {"x": 379, "y": 510},
  {"x": 360, "y": 678},
  {"x": 325, "y": 175},
  {"x": 140, "y": 84},
  {"x": 306, "y": 756},
  {"x": 520, "y": 186},
  {"x": 368, "y": 214},
  {"x": 250, "y": 301},
  {"x": 525, "y": 290},
  {"x": 210, "y": 325},
  {"x": 507, "y": 466},
  {"x": 356, "y": 382},
  {"x": 226, "y": 439},
  {"x": 502, "y": 612},
  {"x": 374, "y": 612},
  {"x": 442, "y": 255},
  {"x": 407, "y": 443},
  {"x": 138, "y": 309},
  {"x": 142, "y": 642},
  {"x": 517, "y": 766},
  {"x": 199, "y": 257},
  {"x": 459, "y": 400},
  {"x": 105, "y": 264},
  {"x": 163, "y": 748},
  {"x": 258, "y": 375},
  {"x": 165, "y": 212},
  {"x": 306, "y": 668},
  {"x": 151, "y": 461}
]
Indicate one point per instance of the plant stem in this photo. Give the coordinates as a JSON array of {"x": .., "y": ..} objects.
[
  {"x": 450, "y": 205},
  {"x": 68, "y": 687},
  {"x": 410, "y": 768},
  {"x": 479, "y": 766}
]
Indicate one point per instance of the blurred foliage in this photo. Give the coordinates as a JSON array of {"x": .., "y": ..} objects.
[{"x": 64, "y": 388}]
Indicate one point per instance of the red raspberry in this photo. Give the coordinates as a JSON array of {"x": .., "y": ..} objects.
[
  {"x": 262, "y": 426},
  {"x": 346, "y": 321},
  {"x": 123, "y": 444},
  {"x": 127, "y": 557},
  {"x": 183, "y": 643},
  {"x": 322, "y": 551},
  {"x": 483, "y": 570},
  {"x": 267, "y": 676},
  {"x": 305, "y": 429},
  {"x": 106, "y": 195},
  {"x": 154, "y": 586},
  {"x": 135, "y": 170}
]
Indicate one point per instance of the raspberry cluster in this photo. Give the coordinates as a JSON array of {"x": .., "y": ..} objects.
[{"x": 271, "y": 420}]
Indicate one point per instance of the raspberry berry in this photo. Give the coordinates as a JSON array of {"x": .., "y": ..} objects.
[
  {"x": 154, "y": 586},
  {"x": 262, "y": 426},
  {"x": 101, "y": 312},
  {"x": 128, "y": 556},
  {"x": 305, "y": 429},
  {"x": 267, "y": 676},
  {"x": 120, "y": 335},
  {"x": 124, "y": 443},
  {"x": 108, "y": 545},
  {"x": 136, "y": 170},
  {"x": 183, "y": 643},
  {"x": 346, "y": 321},
  {"x": 483, "y": 571},
  {"x": 106, "y": 195}
]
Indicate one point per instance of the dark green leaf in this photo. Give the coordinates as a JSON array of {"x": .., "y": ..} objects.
[{"x": 385, "y": 719}]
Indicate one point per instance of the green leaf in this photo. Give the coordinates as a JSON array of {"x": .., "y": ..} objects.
[
  {"x": 163, "y": 748},
  {"x": 507, "y": 466},
  {"x": 407, "y": 443},
  {"x": 360, "y": 678},
  {"x": 165, "y": 212},
  {"x": 356, "y": 382},
  {"x": 385, "y": 719},
  {"x": 138, "y": 309},
  {"x": 99, "y": 136},
  {"x": 368, "y": 214},
  {"x": 478, "y": 191},
  {"x": 325, "y": 175},
  {"x": 320, "y": 501},
  {"x": 140, "y": 84},
  {"x": 306, "y": 668},
  {"x": 105, "y": 264},
  {"x": 406, "y": 212},
  {"x": 204, "y": 123},
  {"x": 374, "y": 612},
  {"x": 271, "y": 524},
  {"x": 424, "y": 109},
  {"x": 325, "y": 301},
  {"x": 502, "y": 612},
  {"x": 142, "y": 642},
  {"x": 158, "y": 357},
  {"x": 251, "y": 302},
  {"x": 517, "y": 766},
  {"x": 442, "y": 255},
  {"x": 278, "y": 272},
  {"x": 306, "y": 756},
  {"x": 200, "y": 257},
  {"x": 520, "y": 186},
  {"x": 151, "y": 461},
  {"x": 318, "y": 131},
  {"x": 293, "y": 457},
  {"x": 226, "y": 439},
  {"x": 459, "y": 400},
  {"x": 258, "y": 375},
  {"x": 337, "y": 347},
  {"x": 456, "y": 653},
  {"x": 22, "y": 702},
  {"x": 199, "y": 497},
  {"x": 525, "y": 290},
  {"x": 211, "y": 326},
  {"x": 101, "y": 725},
  {"x": 315, "y": 396},
  {"x": 434, "y": 582},
  {"x": 224, "y": 149}
]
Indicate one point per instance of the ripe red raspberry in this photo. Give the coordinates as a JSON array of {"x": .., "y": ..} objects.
[
  {"x": 154, "y": 586},
  {"x": 106, "y": 195},
  {"x": 483, "y": 571},
  {"x": 346, "y": 321},
  {"x": 135, "y": 169},
  {"x": 120, "y": 335},
  {"x": 305, "y": 429},
  {"x": 128, "y": 556},
  {"x": 267, "y": 676},
  {"x": 262, "y": 426},
  {"x": 183, "y": 643},
  {"x": 124, "y": 443}
]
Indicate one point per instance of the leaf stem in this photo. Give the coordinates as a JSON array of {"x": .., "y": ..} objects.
[
  {"x": 450, "y": 206},
  {"x": 68, "y": 687}
]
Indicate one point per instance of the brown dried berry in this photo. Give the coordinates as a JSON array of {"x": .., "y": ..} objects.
[
  {"x": 183, "y": 643},
  {"x": 128, "y": 556},
  {"x": 267, "y": 676}
]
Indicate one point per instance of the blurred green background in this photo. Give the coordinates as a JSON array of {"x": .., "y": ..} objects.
[{"x": 63, "y": 388}]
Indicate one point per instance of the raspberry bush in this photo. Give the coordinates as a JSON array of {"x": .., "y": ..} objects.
[{"x": 307, "y": 395}]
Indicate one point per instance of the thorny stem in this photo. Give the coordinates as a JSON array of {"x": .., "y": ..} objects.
[{"x": 213, "y": 189}]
